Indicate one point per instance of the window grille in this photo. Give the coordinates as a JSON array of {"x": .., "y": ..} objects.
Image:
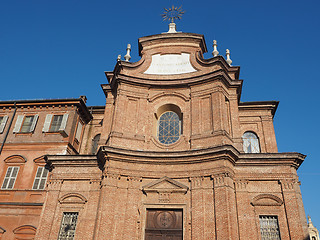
[
  {"x": 269, "y": 228},
  {"x": 250, "y": 143},
  {"x": 10, "y": 178},
  {"x": 169, "y": 128},
  {"x": 40, "y": 179},
  {"x": 68, "y": 226}
]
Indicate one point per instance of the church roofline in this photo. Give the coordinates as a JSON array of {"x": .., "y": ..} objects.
[
  {"x": 163, "y": 36},
  {"x": 255, "y": 105}
]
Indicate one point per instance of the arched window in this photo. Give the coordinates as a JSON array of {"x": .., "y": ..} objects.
[
  {"x": 95, "y": 142},
  {"x": 169, "y": 127},
  {"x": 250, "y": 143}
]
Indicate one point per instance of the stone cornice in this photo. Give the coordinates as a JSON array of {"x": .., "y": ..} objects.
[
  {"x": 169, "y": 157},
  {"x": 71, "y": 161},
  {"x": 260, "y": 105},
  {"x": 271, "y": 159}
]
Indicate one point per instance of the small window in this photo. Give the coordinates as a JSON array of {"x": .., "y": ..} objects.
[
  {"x": 55, "y": 123},
  {"x": 95, "y": 143},
  {"x": 25, "y": 124},
  {"x": 40, "y": 179},
  {"x": 269, "y": 228},
  {"x": 3, "y": 121},
  {"x": 250, "y": 143},
  {"x": 68, "y": 226},
  {"x": 79, "y": 131},
  {"x": 169, "y": 128},
  {"x": 10, "y": 178}
]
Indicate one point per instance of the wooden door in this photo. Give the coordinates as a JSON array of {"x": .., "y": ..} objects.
[{"x": 164, "y": 224}]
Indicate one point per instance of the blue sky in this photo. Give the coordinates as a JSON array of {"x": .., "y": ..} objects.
[{"x": 60, "y": 49}]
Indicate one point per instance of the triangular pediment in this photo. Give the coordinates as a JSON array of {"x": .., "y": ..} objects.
[{"x": 165, "y": 184}]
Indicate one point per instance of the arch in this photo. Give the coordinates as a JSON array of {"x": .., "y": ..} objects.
[
  {"x": 25, "y": 232},
  {"x": 250, "y": 142},
  {"x": 176, "y": 94},
  {"x": 40, "y": 160},
  {"x": 72, "y": 198},
  {"x": 16, "y": 159},
  {"x": 266, "y": 200},
  {"x": 169, "y": 124},
  {"x": 2, "y": 231}
]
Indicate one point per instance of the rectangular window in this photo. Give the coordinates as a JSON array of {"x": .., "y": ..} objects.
[
  {"x": 79, "y": 131},
  {"x": 269, "y": 228},
  {"x": 68, "y": 226},
  {"x": 10, "y": 178},
  {"x": 40, "y": 179},
  {"x": 3, "y": 121},
  {"x": 25, "y": 124},
  {"x": 55, "y": 123}
]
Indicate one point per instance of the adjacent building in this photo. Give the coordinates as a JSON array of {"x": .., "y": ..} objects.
[{"x": 173, "y": 154}]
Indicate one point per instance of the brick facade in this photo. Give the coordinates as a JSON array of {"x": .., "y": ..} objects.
[{"x": 203, "y": 186}]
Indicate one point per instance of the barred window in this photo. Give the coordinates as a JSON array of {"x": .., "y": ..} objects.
[
  {"x": 269, "y": 228},
  {"x": 169, "y": 128},
  {"x": 250, "y": 143},
  {"x": 40, "y": 179},
  {"x": 10, "y": 178},
  {"x": 68, "y": 226}
]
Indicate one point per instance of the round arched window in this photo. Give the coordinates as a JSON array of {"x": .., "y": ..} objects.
[
  {"x": 169, "y": 128},
  {"x": 250, "y": 143}
]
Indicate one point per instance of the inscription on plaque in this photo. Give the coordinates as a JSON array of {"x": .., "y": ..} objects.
[{"x": 170, "y": 64}]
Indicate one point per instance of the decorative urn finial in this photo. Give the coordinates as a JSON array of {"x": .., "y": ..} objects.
[
  {"x": 127, "y": 57},
  {"x": 172, "y": 14},
  {"x": 119, "y": 58},
  {"x": 228, "y": 57},
  {"x": 215, "y": 51}
]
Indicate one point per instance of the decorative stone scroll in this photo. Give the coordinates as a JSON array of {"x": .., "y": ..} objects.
[{"x": 168, "y": 64}]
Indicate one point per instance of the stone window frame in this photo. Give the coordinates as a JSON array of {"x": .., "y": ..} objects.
[
  {"x": 70, "y": 202},
  {"x": 168, "y": 206},
  {"x": 270, "y": 205}
]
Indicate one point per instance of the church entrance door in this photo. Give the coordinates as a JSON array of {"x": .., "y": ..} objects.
[{"x": 164, "y": 224}]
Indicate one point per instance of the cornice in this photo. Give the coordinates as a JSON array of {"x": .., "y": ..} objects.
[
  {"x": 260, "y": 105},
  {"x": 227, "y": 152}
]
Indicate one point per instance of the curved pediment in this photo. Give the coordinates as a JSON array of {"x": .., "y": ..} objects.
[
  {"x": 266, "y": 200},
  {"x": 73, "y": 198},
  {"x": 15, "y": 159},
  {"x": 25, "y": 230}
]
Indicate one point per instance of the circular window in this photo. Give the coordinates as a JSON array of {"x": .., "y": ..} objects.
[{"x": 169, "y": 128}]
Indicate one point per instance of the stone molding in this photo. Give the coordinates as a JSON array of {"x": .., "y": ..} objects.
[
  {"x": 72, "y": 198},
  {"x": 266, "y": 200}
]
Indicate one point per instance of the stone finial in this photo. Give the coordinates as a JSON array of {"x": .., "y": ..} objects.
[
  {"x": 215, "y": 51},
  {"x": 228, "y": 57},
  {"x": 310, "y": 224},
  {"x": 172, "y": 28},
  {"x": 119, "y": 58},
  {"x": 127, "y": 57}
]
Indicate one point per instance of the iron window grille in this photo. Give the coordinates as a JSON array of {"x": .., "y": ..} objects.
[
  {"x": 10, "y": 178},
  {"x": 269, "y": 228},
  {"x": 68, "y": 226}
]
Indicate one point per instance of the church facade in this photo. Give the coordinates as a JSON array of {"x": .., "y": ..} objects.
[{"x": 173, "y": 154}]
